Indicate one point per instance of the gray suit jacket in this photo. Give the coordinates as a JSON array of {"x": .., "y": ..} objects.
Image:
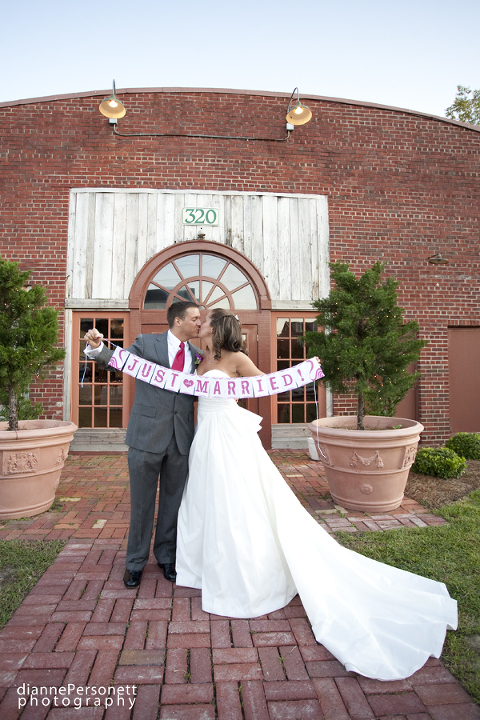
[{"x": 157, "y": 414}]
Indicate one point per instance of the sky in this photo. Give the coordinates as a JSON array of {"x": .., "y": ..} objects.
[{"x": 410, "y": 54}]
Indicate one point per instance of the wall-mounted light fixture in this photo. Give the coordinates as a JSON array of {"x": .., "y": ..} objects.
[
  {"x": 113, "y": 109},
  {"x": 298, "y": 115},
  {"x": 437, "y": 260}
]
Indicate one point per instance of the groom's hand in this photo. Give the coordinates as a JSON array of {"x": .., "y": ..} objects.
[{"x": 93, "y": 338}]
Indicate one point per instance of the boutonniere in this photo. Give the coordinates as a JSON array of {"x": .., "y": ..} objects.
[{"x": 198, "y": 359}]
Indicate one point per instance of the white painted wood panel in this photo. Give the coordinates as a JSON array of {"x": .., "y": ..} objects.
[{"x": 113, "y": 233}]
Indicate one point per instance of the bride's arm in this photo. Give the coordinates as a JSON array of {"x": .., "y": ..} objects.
[{"x": 244, "y": 366}]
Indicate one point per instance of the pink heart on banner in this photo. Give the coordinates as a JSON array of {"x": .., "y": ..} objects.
[{"x": 188, "y": 383}]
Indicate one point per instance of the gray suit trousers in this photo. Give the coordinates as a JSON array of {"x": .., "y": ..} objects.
[{"x": 145, "y": 468}]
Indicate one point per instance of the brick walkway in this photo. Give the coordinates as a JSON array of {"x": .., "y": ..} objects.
[{"x": 80, "y": 627}]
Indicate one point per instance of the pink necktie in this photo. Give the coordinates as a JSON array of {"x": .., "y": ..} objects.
[{"x": 179, "y": 360}]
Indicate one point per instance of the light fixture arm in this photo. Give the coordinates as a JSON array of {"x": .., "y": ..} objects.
[{"x": 290, "y": 101}]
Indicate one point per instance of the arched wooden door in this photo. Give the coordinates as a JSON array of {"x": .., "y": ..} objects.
[{"x": 212, "y": 275}]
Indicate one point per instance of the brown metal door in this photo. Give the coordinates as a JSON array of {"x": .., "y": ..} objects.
[{"x": 464, "y": 379}]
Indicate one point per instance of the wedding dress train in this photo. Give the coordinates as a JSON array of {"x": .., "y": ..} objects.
[{"x": 246, "y": 541}]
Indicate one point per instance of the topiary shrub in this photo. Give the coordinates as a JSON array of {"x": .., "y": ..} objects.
[
  {"x": 439, "y": 462},
  {"x": 465, "y": 444}
]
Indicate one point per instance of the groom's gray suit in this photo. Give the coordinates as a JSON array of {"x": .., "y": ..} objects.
[{"x": 160, "y": 432}]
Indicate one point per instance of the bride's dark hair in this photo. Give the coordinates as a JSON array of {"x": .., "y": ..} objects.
[{"x": 227, "y": 332}]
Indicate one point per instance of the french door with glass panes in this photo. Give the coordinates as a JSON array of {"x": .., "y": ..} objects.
[
  {"x": 300, "y": 405},
  {"x": 100, "y": 398}
]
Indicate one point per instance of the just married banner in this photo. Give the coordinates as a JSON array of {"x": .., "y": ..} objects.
[{"x": 233, "y": 388}]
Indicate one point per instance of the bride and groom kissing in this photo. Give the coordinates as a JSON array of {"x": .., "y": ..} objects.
[{"x": 237, "y": 532}]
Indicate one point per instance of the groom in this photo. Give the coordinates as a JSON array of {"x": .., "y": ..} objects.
[{"x": 159, "y": 435}]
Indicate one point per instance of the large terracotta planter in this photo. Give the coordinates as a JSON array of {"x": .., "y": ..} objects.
[
  {"x": 31, "y": 461},
  {"x": 368, "y": 469}
]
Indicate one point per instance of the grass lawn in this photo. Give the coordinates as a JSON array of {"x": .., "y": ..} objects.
[
  {"x": 449, "y": 554},
  {"x": 22, "y": 563}
]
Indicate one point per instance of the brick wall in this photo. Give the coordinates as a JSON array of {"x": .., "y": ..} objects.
[{"x": 401, "y": 186}]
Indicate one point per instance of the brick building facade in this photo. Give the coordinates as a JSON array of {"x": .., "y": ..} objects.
[{"x": 389, "y": 184}]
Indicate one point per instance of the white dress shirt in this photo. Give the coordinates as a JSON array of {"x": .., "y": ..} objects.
[{"x": 173, "y": 347}]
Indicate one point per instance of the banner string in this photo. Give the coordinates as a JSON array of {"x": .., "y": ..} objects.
[{"x": 92, "y": 359}]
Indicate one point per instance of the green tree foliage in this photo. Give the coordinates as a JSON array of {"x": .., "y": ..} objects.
[
  {"x": 28, "y": 335},
  {"x": 365, "y": 346},
  {"x": 466, "y": 106}
]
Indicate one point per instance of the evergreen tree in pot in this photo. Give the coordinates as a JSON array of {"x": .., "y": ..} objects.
[
  {"x": 28, "y": 339},
  {"x": 365, "y": 348}
]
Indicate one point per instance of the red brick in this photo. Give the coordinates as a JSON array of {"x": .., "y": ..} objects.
[
  {"x": 454, "y": 712},
  {"x": 273, "y": 639},
  {"x": 311, "y": 653},
  {"x": 187, "y": 712},
  {"x": 228, "y": 701},
  {"x": 157, "y": 635},
  {"x": 442, "y": 693},
  {"x": 33, "y": 676},
  {"x": 302, "y": 631},
  {"x": 330, "y": 699},
  {"x": 104, "y": 668},
  {"x": 49, "y": 660},
  {"x": 21, "y": 633},
  {"x": 241, "y": 633},
  {"x": 158, "y": 603},
  {"x": 234, "y": 655},
  {"x": 122, "y": 609},
  {"x": 257, "y": 626},
  {"x": 199, "y": 626},
  {"x": 146, "y": 703},
  {"x": 254, "y": 702},
  {"x": 158, "y": 615},
  {"x": 220, "y": 632},
  {"x": 289, "y": 691},
  {"x": 327, "y": 668},
  {"x": 106, "y": 628},
  {"x": 360, "y": 709},
  {"x": 12, "y": 661},
  {"x": 138, "y": 675},
  {"x": 176, "y": 668},
  {"x": 272, "y": 666},
  {"x": 70, "y": 637},
  {"x": 293, "y": 663},
  {"x": 181, "y": 610},
  {"x": 239, "y": 672},
  {"x": 431, "y": 674},
  {"x": 135, "y": 639},
  {"x": 196, "y": 609},
  {"x": 188, "y": 641},
  {"x": 187, "y": 693},
  {"x": 81, "y": 667},
  {"x": 200, "y": 665},
  {"x": 305, "y": 709},
  {"x": 103, "y": 610},
  {"x": 8, "y": 646}
]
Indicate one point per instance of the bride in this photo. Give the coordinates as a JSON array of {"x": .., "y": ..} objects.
[{"x": 245, "y": 540}]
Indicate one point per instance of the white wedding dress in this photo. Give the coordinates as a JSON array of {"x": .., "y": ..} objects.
[{"x": 246, "y": 541}]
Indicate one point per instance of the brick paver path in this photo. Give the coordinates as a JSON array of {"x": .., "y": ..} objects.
[{"x": 81, "y": 630}]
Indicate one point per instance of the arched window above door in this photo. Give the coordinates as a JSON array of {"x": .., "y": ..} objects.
[{"x": 204, "y": 278}]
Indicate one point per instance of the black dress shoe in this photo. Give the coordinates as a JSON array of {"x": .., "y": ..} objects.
[
  {"x": 169, "y": 571},
  {"x": 132, "y": 578}
]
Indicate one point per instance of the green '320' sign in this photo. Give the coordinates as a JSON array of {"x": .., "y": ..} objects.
[{"x": 200, "y": 216}]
